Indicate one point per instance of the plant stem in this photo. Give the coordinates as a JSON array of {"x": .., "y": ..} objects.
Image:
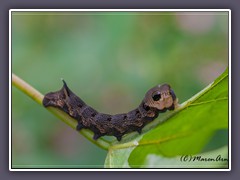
[{"x": 38, "y": 97}]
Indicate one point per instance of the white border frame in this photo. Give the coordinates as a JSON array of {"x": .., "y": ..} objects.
[{"x": 117, "y": 10}]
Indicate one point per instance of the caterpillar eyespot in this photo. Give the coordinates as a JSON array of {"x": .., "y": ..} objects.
[
  {"x": 157, "y": 100},
  {"x": 156, "y": 96}
]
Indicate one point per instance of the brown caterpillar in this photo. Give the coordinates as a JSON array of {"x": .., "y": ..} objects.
[{"x": 157, "y": 100}]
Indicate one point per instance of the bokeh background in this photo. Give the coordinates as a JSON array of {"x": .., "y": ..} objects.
[{"x": 110, "y": 60}]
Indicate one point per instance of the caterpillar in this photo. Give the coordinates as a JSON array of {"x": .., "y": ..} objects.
[{"x": 157, "y": 100}]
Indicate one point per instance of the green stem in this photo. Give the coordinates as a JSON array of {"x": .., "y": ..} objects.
[{"x": 38, "y": 97}]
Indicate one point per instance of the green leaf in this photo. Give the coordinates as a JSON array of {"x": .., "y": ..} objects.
[{"x": 185, "y": 131}]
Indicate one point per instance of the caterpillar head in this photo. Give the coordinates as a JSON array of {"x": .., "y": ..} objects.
[{"x": 161, "y": 97}]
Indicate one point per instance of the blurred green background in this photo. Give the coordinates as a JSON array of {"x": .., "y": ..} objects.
[{"x": 110, "y": 60}]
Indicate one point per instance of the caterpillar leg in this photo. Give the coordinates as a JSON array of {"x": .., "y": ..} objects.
[
  {"x": 172, "y": 107},
  {"x": 96, "y": 136},
  {"x": 119, "y": 137},
  {"x": 79, "y": 126},
  {"x": 139, "y": 130}
]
